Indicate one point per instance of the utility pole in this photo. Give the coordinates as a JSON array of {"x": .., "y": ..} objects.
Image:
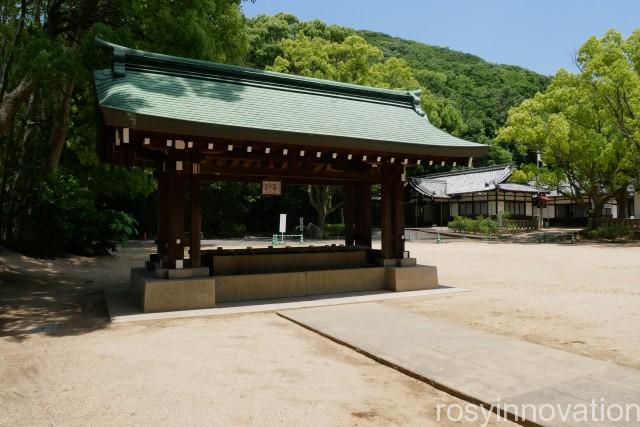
[{"x": 540, "y": 210}]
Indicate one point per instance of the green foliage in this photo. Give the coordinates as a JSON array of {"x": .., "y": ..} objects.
[
  {"x": 572, "y": 124},
  {"x": 542, "y": 177},
  {"x": 480, "y": 225},
  {"x": 519, "y": 176},
  {"x": 487, "y": 226},
  {"x": 463, "y": 94},
  {"x": 460, "y": 224},
  {"x": 611, "y": 73},
  {"x": 47, "y": 57},
  {"x": 334, "y": 230},
  {"x": 64, "y": 216},
  {"x": 480, "y": 91},
  {"x": 610, "y": 232},
  {"x": 266, "y": 33},
  {"x": 352, "y": 60}
]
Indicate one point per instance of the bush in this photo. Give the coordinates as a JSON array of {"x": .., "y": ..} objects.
[
  {"x": 480, "y": 225},
  {"x": 334, "y": 230},
  {"x": 459, "y": 224},
  {"x": 232, "y": 229},
  {"x": 64, "y": 217},
  {"x": 487, "y": 226},
  {"x": 610, "y": 232}
]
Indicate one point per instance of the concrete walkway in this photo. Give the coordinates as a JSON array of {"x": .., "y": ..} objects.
[
  {"x": 484, "y": 368},
  {"x": 122, "y": 307}
]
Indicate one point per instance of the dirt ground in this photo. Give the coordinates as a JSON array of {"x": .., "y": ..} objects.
[
  {"x": 62, "y": 363},
  {"x": 581, "y": 298}
]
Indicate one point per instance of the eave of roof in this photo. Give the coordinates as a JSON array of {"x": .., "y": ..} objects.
[{"x": 169, "y": 94}]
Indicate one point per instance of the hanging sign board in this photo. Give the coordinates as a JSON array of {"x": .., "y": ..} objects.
[
  {"x": 271, "y": 188},
  {"x": 283, "y": 223}
]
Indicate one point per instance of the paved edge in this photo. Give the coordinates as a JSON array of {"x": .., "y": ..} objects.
[
  {"x": 435, "y": 384},
  {"x": 120, "y": 311}
]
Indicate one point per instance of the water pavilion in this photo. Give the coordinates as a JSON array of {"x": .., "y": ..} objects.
[{"x": 192, "y": 121}]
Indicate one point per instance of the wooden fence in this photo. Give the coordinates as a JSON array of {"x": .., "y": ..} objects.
[{"x": 519, "y": 224}]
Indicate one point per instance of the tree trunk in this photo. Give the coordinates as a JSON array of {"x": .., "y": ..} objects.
[
  {"x": 58, "y": 134},
  {"x": 622, "y": 201},
  {"x": 322, "y": 218},
  {"x": 321, "y": 198},
  {"x": 596, "y": 213},
  {"x": 4, "y": 223},
  {"x": 12, "y": 102}
]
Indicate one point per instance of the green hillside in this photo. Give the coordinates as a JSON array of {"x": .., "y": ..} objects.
[
  {"x": 482, "y": 91},
  {"x": 461, "y": 83}
]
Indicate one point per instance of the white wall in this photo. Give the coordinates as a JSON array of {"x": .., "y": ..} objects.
[
  {"x": 636, "y": 206},
  {"x": 453, "y": 209},
  {"x": 491, "y": 208}
]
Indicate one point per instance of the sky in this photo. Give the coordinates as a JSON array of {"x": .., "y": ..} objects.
[{"x": 541, "y": 35}]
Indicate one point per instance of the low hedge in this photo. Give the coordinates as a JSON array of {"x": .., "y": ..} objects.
[
  {"x": 334, "y": 230},
  {"x": 610, "y": 232},
  {"x": 480, "y": 225}
]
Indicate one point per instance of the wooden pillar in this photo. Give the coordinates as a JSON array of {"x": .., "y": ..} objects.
[
  {"x": 196, "y": 220},
  {"x": 175, "y": 214},
  {"x": 399, "y": 217},
  {"x": 363, "y": 217},
  {"x": 392, "y": 222},
  {"x": 349, "y": 213},
  {"x": 162, "y": 214}
]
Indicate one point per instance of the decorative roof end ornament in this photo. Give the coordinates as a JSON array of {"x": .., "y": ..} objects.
[
  {"x": 416, "y": 102},
  {"x": 117, "y": 56},
  {"x": 117, "y": 63}
]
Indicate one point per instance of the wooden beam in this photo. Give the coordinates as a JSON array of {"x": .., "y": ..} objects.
[{"x": 211, "y": 170}]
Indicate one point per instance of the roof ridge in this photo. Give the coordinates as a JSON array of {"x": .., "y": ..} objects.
[
  {"x": 434, "y": 176},
  {"x": 124, "y": 58}
]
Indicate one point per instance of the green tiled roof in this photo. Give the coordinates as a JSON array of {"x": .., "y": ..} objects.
[{"x": 177, "y": 95}]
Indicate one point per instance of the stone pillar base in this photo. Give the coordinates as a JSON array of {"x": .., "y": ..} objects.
[
  {"x": 418, "y": 277},
  {"x": 159, "y": 294}
]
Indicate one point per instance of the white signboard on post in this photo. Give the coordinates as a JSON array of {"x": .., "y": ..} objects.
[
  {"x": 271, "y": 188},
  {"x": 283, "y": 223}
]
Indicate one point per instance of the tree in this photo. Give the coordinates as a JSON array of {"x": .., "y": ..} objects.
[
  {"x": 573, "y": 131},
  {"x": 610, "y": 70},
  {"x": 350, "y": 61},
  {"x": 322, "y": 198},
  {"x": 47, "y": 116},
  {"x": 266, "y": 34}
]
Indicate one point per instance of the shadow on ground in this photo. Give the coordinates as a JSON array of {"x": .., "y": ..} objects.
[{"x": 36, "y": 298}]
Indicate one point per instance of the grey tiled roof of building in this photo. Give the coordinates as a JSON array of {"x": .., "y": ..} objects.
[
  {"x": 520, "y": 188},
  {"x": 447, "y": 184}
]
